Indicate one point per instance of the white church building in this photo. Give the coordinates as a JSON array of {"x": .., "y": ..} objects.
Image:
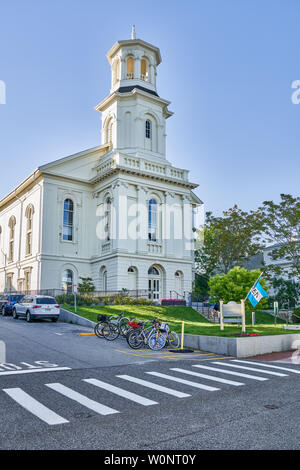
[{"x": 119, "y": 213}]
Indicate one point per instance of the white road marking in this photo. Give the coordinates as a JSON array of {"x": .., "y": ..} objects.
[
  {"x": 122, "y": 393},
  {"x": 83, "y": 400},
  {"x": 34, "y": 406},
  {"x": 183, "y": 381},
  {"x": 268, "y": 365},
  {"x": 208, "y": 377},
  {"x": 154, "y": 386},
  {"x": 238, "y": 374},
  {"x": 31, "y": 371},
  {"x": 278, "y": 374}
]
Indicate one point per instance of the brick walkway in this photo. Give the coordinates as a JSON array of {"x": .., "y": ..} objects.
[{"x": 282, "y": 356}]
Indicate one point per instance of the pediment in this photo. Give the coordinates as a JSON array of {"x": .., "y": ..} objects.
[{"x": 80, "y": 165}]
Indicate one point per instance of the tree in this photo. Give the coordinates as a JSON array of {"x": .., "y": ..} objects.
[
  {"x": 235, "y": 285},
  {"x": 287, "y": 292},
  {"x": 225, "y": 242},
  {"x": 282, "y": 227},
  {"x": 200, "y": 288},
  {"x": 86, "y": 285}
]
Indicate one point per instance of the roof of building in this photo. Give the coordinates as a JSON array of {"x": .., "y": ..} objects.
[{"x": 128, "y": 89}]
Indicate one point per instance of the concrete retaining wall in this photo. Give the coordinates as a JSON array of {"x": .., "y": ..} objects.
[
  {"x": 243, "y": 347},
  {"x": 69, "y": 317},
  {"x": 237, "y": 347}
]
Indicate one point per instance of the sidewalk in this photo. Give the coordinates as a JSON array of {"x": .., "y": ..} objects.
[{"x": 282, "y": 356}]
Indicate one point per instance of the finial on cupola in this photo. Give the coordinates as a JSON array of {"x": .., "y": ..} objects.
[{"x": 133, "y": 35}]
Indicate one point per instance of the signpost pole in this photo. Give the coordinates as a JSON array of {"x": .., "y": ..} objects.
[
  {"x": 221, "y": 315},
  {"x": 275, "y": 312},
  {"x": 75, "y": 297},
  {"x": 243, "y": 316}
]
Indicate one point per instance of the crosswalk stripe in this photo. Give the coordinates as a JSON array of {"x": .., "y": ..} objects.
[
  {"x": 122, "y": 393},
  {"x": 230, "y": 372},
  {"x": 83, "y": 400},
  {"x": 253, "y": 369},
  {"x": 154, "y": 386},
  {"x": 31, "y": 371},
  {"x": 208, "y": 377},
  {"x": 34, "y": 406},
  {"x": 268, "y": 365},
  {"x": 183, "y": 381}
]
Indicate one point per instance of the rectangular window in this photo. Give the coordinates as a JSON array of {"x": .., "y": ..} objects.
[
  {"x": 148, "y": 129},
  {"x": 68, "y": 220},
  {"x": 27, "y": 280},
  {"x": 68, "y": 233}
]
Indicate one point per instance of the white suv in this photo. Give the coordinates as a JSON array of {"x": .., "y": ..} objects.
[{"x": 36, "y": 307}]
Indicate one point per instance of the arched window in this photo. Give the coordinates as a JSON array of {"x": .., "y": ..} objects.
[
  {"x": 105, "y": 281},
  {"x": 107, "y": 218},
  {"x": 109, "y": 131},
  {"x": 130, "y": 68},
  {"x": 148, "y": 129},
  {"x": 11, "y": 225},
  {"x": 132, "y": 278},
  {"x": 68, "y": 220},
  {"x": 67, "y": 280},
  {"x": 144, "y": 69},
  {"x": 29, "y": 217},
  {"x": 152, "y": 221},
  {"x": 153, "y": 271}
]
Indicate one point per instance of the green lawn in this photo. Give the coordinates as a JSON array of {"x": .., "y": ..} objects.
[{"x": 194, "y": 323}]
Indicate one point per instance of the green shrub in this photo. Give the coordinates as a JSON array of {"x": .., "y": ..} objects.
[
  {"x": 296, "y": 315},
  {"x": 65, "y": 299}
]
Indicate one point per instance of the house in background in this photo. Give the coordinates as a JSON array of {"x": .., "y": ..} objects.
[{"x": 119, "y": 213}]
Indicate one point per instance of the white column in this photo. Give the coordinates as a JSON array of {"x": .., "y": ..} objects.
[
  {"x": 137, "y": 65},
  {"x": 123, "y": 69},
  {"x": 120, "y": 217},
  {"x": 187, "y": 238},
  {"x": 151, "y": 74},
  {"x": 168, "y": 225},
  {"x": 142, "y": 219},
  {"x": 139, "y": 134}
]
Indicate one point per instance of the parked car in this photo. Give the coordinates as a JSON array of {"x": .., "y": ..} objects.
[
  {"x": 37, "y": 307},
  {"x": 7, "y": 303}
]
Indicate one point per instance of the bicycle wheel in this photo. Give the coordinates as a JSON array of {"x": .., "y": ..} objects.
[
  {"x": 98, "y": 329},
  {"x": 110, "y": 332},
  {"x": 123, "y": 326},
  {"x": 173, "y": 340},
  {"x": 156, "y": 341},
  {"x": 135, "y": 339}
]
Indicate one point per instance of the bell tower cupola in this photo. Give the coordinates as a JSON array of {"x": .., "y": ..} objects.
[
  {"x": 133, "y": 63},
  {"x": 134, "y": 115}
]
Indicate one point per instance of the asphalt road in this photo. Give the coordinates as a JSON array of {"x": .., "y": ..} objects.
[{"x": 59, "y": 390}]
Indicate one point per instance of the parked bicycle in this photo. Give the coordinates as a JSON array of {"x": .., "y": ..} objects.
[
  {"x": 146, "y": 334},
  {"x": 172, "y": 338},
  {"x": 121, "y": 321},
  {"x": 106, "y": 329}
]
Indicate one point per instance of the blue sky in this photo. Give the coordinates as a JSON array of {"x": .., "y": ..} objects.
[{"x": 227, "y": 68}]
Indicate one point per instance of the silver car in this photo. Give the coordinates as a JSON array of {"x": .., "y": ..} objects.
[{"x": 37, "y": 307}]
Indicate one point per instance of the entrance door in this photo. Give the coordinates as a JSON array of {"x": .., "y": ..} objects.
[
  {"x": 154, "y": 283},
  {"x": 154, "y": 289},
  {"x": 178, "y": 283}
]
